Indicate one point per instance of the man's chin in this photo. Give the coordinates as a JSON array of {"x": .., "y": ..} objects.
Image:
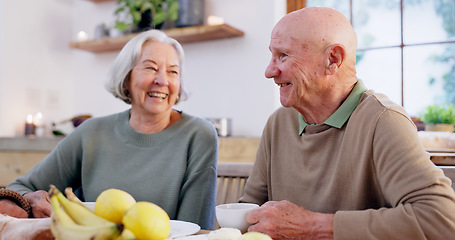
[{"x": 285, "y": 103}]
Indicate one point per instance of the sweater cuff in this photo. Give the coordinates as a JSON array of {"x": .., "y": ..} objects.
[
  {"x": 348, "y": 225},
  {"x": 17, "y": 198}
]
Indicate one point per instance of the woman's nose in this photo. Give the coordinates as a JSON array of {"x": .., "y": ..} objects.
[
  {"x": 272, "y": 70},
  {"x": 161, "y": 79}
]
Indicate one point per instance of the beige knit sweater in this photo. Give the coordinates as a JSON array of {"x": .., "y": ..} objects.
[{"x": 373, "y": 173}]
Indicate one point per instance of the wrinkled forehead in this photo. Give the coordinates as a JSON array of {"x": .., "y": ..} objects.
[{"x": 293, "y": 31}]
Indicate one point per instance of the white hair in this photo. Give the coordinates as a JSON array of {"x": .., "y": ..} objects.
[{"x": 128, "y": 57}]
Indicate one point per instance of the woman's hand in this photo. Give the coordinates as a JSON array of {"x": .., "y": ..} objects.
[
  {"x": 10, "y": 208},
  {"x": 286, "y": 220},
  {"x": 40, "y": 203}
]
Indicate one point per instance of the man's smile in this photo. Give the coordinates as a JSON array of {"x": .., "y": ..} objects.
[{"x": 283, "y": 84}]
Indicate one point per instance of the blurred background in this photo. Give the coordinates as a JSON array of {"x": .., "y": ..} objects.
[{"x": 406, "y": 50}]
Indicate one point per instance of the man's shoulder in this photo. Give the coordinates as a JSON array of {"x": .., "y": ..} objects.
[
  {"x": 283, "y": 112},
  {"x": 284, "y": 117},
  {"x": 377, "y": 106},
  {"x": 378, "y": 102}
]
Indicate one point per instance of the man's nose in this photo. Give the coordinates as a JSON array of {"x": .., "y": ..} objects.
[{"x": 272, "y": 70}]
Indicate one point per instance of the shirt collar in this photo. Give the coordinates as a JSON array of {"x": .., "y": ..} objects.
[{"x": 342, "y": 114}]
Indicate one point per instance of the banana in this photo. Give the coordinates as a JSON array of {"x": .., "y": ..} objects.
[
  {"x": 126, "y": 235},
  {"x": 63, "y": 227},
  {"x": 80, "y": 213},
  {"x": 72, "y": 197}
]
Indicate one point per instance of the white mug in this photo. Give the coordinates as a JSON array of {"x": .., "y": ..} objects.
[{"x": 233, "y": 215}]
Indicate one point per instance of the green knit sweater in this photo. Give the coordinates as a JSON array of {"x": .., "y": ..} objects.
[
  {"x": 373, "y": 173},
  {"x": 174, "y": 168}
]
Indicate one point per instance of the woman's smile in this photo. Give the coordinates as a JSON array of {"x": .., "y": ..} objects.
[{"x": 159, "y": 95}]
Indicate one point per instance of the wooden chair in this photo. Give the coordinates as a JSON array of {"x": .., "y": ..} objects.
[
  {"x": 449, "y": 171},
  {"x": 232, "y": 177}
]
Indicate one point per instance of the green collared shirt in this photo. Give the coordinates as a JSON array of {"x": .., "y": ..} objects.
[{"x": 342, "y": 114}]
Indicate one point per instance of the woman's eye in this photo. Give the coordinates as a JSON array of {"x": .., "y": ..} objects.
[{"x": 151, "y": 68}]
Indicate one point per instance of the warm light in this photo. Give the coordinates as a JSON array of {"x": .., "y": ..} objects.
[
  {"x": 29, "y": 118},
  {"x": 82, "y": 36},
  {"x": 38, "y": 118},
  {"x": 214, "y": 20}
]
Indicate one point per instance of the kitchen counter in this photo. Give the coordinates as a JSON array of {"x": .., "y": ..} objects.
[
  {"x": 27, "y": 144},
  {"x": 19, "y": 155}
]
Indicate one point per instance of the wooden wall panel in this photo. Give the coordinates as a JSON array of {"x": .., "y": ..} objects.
[{"x": 293, "y": 5}]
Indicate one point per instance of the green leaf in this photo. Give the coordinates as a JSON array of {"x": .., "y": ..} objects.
[
  {"x": 138, "y": 4},
  {"x": 439, "y": 114},
  {"x": 174, "y": 11},
  {"x": 58, "y": 133},
  {"x": 121, "y": 9},
  {"x": 159, "y": 17},
  {"x": 121, "y": 25},
  {"x": 136, "y": 17}
]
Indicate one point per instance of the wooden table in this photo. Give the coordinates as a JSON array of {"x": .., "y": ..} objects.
[
  {"x": 202, "y": 231},
  {"x": 442, "y": 157}
]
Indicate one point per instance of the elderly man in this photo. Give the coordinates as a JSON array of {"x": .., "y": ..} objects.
[{"x": 340, "y": 161}]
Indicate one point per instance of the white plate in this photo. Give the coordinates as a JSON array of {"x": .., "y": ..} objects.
[
  {"x": 182, "y": 228},
  {"x": 194, "y": 237}
]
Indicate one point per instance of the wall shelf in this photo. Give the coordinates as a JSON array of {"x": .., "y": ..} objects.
[
  {"x": 97, "y": 1},
  {"x": 183, "y": 35}
]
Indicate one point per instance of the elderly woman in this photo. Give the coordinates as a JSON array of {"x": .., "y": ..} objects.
[{"x": 154, "y": 152}]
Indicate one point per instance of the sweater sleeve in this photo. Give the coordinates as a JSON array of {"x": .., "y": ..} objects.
[
  {"x": 256, "y": 185},
  {"x": 421, "y": 199},
  {"x": 60, "y": 168},
  {"x": 198, "y": 194}
]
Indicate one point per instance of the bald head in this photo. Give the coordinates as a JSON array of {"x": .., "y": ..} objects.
[{"x": 317, "y": 28}]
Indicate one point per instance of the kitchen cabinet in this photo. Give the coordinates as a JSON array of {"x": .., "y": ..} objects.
[
  {"x": 183, "y": 35},
  {"x": 19, "y": 155}
]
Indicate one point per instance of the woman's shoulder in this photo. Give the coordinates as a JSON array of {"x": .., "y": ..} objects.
[
  {"x": 106, "y": 120},
  {"x": 197, "y": 124},
  {"x": 196, "y": 121}
]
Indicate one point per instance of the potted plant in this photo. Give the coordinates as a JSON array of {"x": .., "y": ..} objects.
[
  {"x": 439, "y": 118},
  {"x": 140, "y": 15}
]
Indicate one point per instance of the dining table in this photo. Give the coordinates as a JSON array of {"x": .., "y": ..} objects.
[{"x": 39, "y": 229}]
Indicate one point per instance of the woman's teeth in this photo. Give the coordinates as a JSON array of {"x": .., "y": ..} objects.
[{"x": 157, "y": 95}]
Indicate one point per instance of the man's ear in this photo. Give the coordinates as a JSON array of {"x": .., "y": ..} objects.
[{"x": 335, "y": 55}]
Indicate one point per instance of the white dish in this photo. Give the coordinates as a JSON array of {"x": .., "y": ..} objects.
[
  {"x": 182, "y": 228},
  {"x": 90, "y": 205},
  {"x": 194, "y": 237}
]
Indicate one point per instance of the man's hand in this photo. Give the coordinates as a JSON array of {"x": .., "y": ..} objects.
[
  {"x": 285, "y": 220},
  {"x": 40, "y": 203},
  {"x": 10, "y": 208}
]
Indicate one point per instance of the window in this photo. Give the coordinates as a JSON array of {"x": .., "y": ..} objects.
[{"x": 406, "y": 48}]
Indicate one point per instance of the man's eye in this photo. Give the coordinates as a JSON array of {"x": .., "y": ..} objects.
[{"x": 283, "y": 55}]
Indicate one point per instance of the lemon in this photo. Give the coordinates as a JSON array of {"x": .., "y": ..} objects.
[
  {"x": 112, "y": 203},
  {"x": 147, "y": 221},
  {"x": 256, "y": 236}
]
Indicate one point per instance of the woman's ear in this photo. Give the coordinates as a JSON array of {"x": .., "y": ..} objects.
[{"x": 335, "y": 55}]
